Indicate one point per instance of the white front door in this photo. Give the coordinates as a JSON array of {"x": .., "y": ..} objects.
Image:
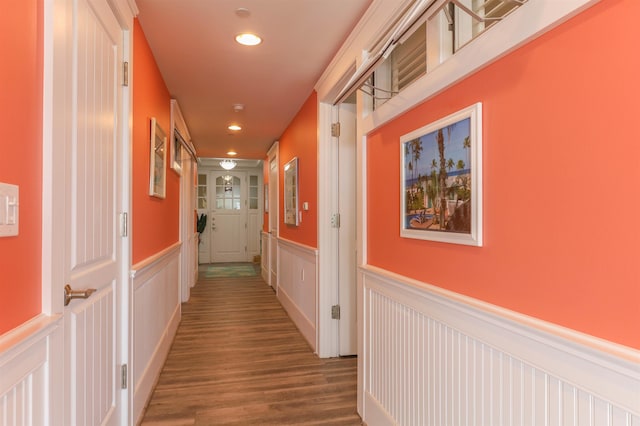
[
  {"x": 229, "y": 217},
  {"x": 90, "y": 250}
]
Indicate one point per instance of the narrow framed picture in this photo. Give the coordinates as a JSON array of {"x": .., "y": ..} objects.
[
  {"x": 158, "y": 161},
  {"x": 441, "y": 182},
  {"x": 291, "y": 192}
]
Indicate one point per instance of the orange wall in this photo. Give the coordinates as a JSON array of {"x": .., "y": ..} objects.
[
  {"x": 561, "y": 173},
  {"x": 155, "y": 221},
  {"x": 21, "y": 158},
  {"x": 300, "y": 139}
]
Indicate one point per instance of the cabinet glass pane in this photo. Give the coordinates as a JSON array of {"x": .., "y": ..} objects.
[
  {"x": 202, "y": 203},
  {"x": 253, "y": 192},
  {"x": 253, "y": 204},
  {"x": 202, "y": 180},
  {"x": 253, "y": 180}
]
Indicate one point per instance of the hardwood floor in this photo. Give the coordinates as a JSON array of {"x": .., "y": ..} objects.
[{"x": 237, "y": 359}]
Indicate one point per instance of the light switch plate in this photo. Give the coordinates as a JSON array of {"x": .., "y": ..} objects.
[{"x": 9, "y": 212}]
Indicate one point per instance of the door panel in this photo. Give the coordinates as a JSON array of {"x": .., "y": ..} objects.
[
  {"x": 91, "y": 247},
  {"x": 93, "y": 357}
]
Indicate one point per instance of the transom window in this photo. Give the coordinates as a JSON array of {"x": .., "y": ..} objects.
[{"x": 433, "y": 36}]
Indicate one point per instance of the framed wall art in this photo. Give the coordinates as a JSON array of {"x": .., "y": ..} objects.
[
  {"x": 441, "y": 179},
  {"x": 158, "y": 161},
  {"x": 291, "y": 192}
]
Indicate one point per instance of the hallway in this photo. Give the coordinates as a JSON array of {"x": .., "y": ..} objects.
[{"x": 238, "y": 359}]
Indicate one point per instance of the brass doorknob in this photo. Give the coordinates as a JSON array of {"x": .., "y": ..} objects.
[{"x": 69, "y": 294}]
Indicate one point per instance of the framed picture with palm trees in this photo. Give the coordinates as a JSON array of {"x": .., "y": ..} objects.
[
  {"x": 441, "y": 179},
  {"x": 158, "y": 161}
]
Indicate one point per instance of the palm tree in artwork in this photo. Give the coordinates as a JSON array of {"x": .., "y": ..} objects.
[
  {"x": 466, "y": 144},
  {"x": 450, "y": 164},
  {"x": 416, "y": 148}
]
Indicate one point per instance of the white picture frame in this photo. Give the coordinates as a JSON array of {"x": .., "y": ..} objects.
[
  {"x": 158, "y": 161},
  {"x": 291, "y": 192},
  {"x": 441, "y": 163}
]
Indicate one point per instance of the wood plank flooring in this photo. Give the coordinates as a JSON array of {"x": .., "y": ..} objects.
[{"x": 237, "y": 359}]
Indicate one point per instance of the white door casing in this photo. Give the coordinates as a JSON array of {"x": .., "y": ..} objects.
[
  {"x": 83, "y": 195},
  {"x": 202, "y": 197}
]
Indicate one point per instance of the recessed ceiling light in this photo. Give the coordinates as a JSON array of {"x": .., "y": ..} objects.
[
  {"x": 234, "y": 127},
  {"x": 232, "y": 153},
  {"x": 248, "y": 39}
]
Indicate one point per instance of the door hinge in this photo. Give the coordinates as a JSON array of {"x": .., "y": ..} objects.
[
  {"x": 124, "y": 224},
  {"x": 124, "y": 379},
  {"x": 335, "y": 312},
  {"x": 335, "y": 220},
  {"x": 125, "y": 73},
  {"x": 335, "y": 130}
]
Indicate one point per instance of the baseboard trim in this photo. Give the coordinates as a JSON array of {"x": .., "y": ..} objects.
[
  {"x": 306, "y": 327},
  {"x": 148, "y": 379}
]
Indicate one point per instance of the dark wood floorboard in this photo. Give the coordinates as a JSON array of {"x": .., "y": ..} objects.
[{"x": 237, "y": 359}]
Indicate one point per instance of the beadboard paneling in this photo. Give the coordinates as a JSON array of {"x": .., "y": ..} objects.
[
  {"x": 26, "y": 362},
  {"x": 434, "y": 360},
  {"x": 297, "y": 286},
  {"x": 156, "y": 314}
]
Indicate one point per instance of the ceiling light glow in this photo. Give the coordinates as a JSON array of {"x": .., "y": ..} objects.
[
  {"x": 234, "y": 127},
  {"x": 228, "y": 164},
  {"x": 232, "y": 153},
  {"x": 248, "y": 39}
]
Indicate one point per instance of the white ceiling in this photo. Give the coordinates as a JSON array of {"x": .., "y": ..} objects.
[{"x": 208, "y": 72}]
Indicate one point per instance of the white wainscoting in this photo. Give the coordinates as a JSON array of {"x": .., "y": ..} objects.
[
  {"x": 297, "y": 286},
  {"x": 434, "y": 357},
  {"x": 156, "y": 314},
  {"x": 27, "y": 361},
  {"x": 264, "y": 260}
]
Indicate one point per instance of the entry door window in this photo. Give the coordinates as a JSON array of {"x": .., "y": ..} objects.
[
  {"x": 202, "y": 191},
  {"x": 253, "y": 192},
  {"x": 228, "y": 193}
]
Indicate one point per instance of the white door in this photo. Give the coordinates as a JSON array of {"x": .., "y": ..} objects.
[
  {"x": 347, "y": 231},
  {"x": 274, "y": 208},
  {"x": 229, "y": 217},
  {"x": 92, "y": 257}
]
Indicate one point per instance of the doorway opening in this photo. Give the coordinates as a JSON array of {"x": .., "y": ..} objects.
[{"x": 230, "y": 209}]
